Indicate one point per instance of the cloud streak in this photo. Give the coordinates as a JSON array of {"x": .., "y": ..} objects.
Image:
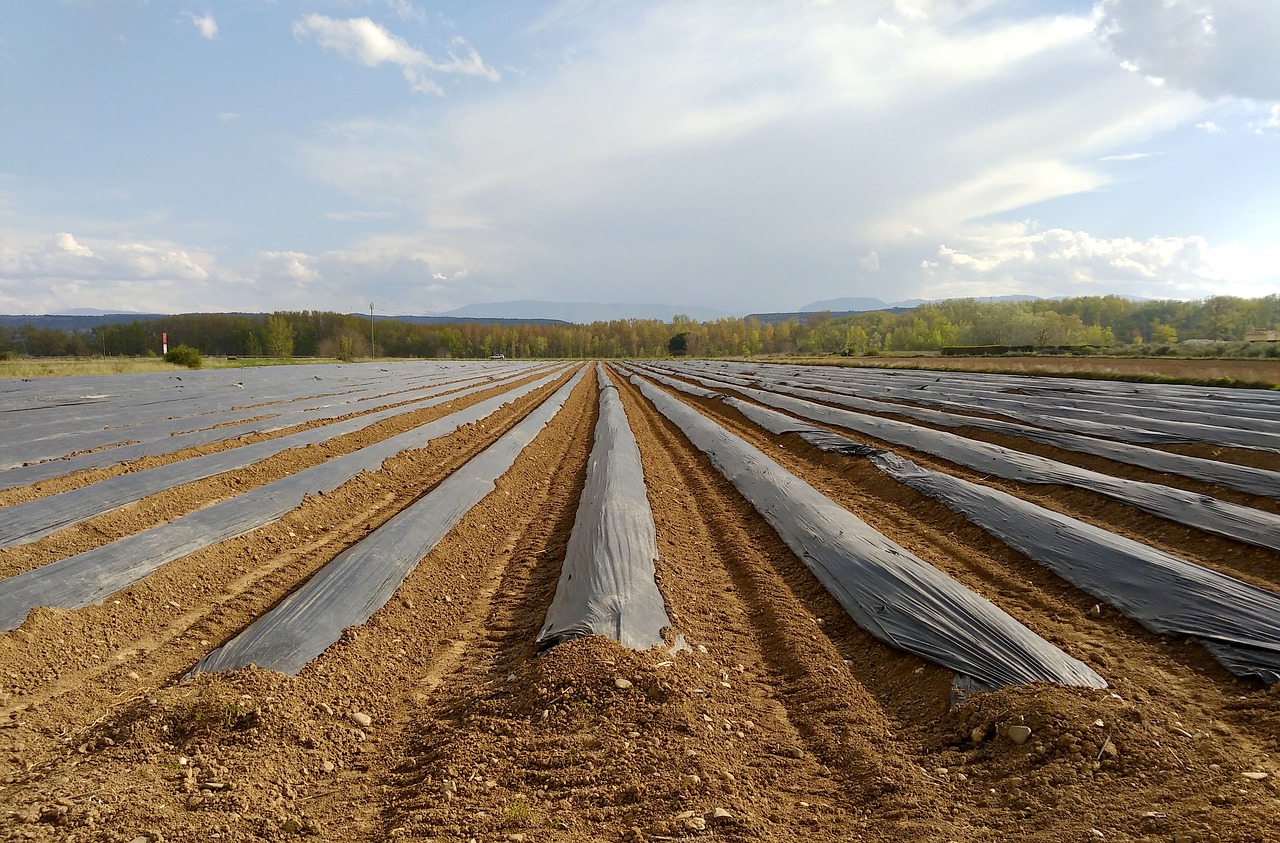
[
  {"x": 1217, "y": 48},
  {"x": 370, "y": 44},
  {"x": 207, "y": 25}
]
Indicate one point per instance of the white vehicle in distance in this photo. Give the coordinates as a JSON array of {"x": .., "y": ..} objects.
[{"x": 497, "y": 357}]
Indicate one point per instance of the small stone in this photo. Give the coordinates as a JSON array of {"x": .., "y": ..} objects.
[
  {"x": 133, "y": 674},
  {"x": 1096, "y": 611},
  {"x": 622, "y": 684},
  {"x": 979, "y": 734},
  {"x": 695, "y": 824},
  {"x": 1018, "y": 734},
  {"x": 684, "y": 815},
  {"x": 327, "y": 766},
  {"x": 213, "y": 785},
  {"x": 1255, "y": 776},
  {"x": 702, "y": 649},
  {"x": 360, "y": 718},
  {"x": 1109, "y": 750},
  {"x": 291, "y": 826},
  {"x": 326, "y": 708},
  {"x": 516, "y": 838},
  {"x": 141, "y": 838},
  {"x": 1095, "y": 834},
  {"x": 721, "y": 814},
  {"x": 694, "y": 778}
]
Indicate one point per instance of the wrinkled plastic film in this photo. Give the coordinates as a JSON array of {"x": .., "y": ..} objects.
[
  {"x": 1238, "y": 623},
  {"x": 361, "y": 579},
  {"x": 887, "y": 590},
  {"x": 606, "y": 584},
  {"x": 90, "y": 577}
]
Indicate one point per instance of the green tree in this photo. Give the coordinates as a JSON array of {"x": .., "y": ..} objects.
[{"x": 278, "y": 334}]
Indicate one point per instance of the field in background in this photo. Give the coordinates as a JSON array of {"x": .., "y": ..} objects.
[
  {"x": 61, "y": 367},
  {"x": 1215, "y": 372},
  {"x": 1257, "y": 373}
]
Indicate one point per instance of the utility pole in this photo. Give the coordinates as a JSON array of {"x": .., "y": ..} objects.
[{"x": 373, "y": 349}]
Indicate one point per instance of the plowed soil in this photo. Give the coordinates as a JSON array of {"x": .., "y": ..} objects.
[{"x": 766, "y": 716}]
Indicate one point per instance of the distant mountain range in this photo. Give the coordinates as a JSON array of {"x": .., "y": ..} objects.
[
  {"x": 862, "y": 305},
  {"x": 531, "y": 312},
  {"x": 78, "y": 321},
  {"x": 582, "y": 313}
]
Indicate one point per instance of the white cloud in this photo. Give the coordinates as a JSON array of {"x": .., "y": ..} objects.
[
  {"x": 53, "y": 273},
  {"x": 1013, "y": 258},
  {"x": 1210, "y": 127},
  {"x": 1268, "y": 123},
  {"x": 407, "y": 11},
  {"x": 62, "y": 255},
  {"x": 870, "y": 262},
  {"x": 690, "y": 147},
  {"x": 206, "y": 24},
  {"x": 359, "y": 216},
  {"x": 227, "y": 116},
  {"x": 61, "y": 271},
  {"x": 1217, "y": 48},
  {"x": 362, "y": 40}
]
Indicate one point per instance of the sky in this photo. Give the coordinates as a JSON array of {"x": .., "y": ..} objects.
[{"x": 263, "y": 155}]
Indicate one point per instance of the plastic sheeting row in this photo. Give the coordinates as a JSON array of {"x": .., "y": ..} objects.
[
  {"x": 29, "y": 521},
  {"x": 90, "y": 577},
  {"x": 361, "y": 579},
  {"x": 1239, "y": 624},
  {"x": 1247, "y": 479},
  {"x": 606, "y": 584},
  {"x": 1209, "y": 514},
  {"x": 129, "y": 404},
  {"x": 886, "y": 589},
  {"x": 1148, "y": 423},
  {"x": 114, "y": 444}
]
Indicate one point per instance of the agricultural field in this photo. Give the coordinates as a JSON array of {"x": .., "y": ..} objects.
[
  {"x": 514, "y": 601},
  {"x": 1203, "y": 370}
]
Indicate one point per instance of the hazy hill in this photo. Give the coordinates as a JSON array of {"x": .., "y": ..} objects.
[
  {"x": 583, "y": 313},
  {"x": 862, "y": 305}
]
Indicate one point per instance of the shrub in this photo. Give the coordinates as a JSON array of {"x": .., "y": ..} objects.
[{"x": 184, "y": 355}]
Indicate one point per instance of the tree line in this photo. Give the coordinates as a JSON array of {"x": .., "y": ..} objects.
[{"x": 1093, "y": 321}]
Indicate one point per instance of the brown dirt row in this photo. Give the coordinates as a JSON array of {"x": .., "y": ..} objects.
[
  {"x": 77, "y": 479},
  {"x": 1240, "y": 456},
  {"x": 1252, "y": 457},
  {"x": 181, "y": 500},
  {"x": 1161, "y": 685},
  {"x": 767, "y": 703},
  {"x": 53, "y": 647},
  {"x": 1192, "y": 370},
  {"x": 1252, "y": 564},
  {"x": 118, "y": 712}
]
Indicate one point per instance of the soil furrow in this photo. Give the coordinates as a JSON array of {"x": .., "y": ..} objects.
[
  {"x": 1161, "y": 686},
  {"x": 732, "y": 583},
  {"x": 181, "y": 500}
]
